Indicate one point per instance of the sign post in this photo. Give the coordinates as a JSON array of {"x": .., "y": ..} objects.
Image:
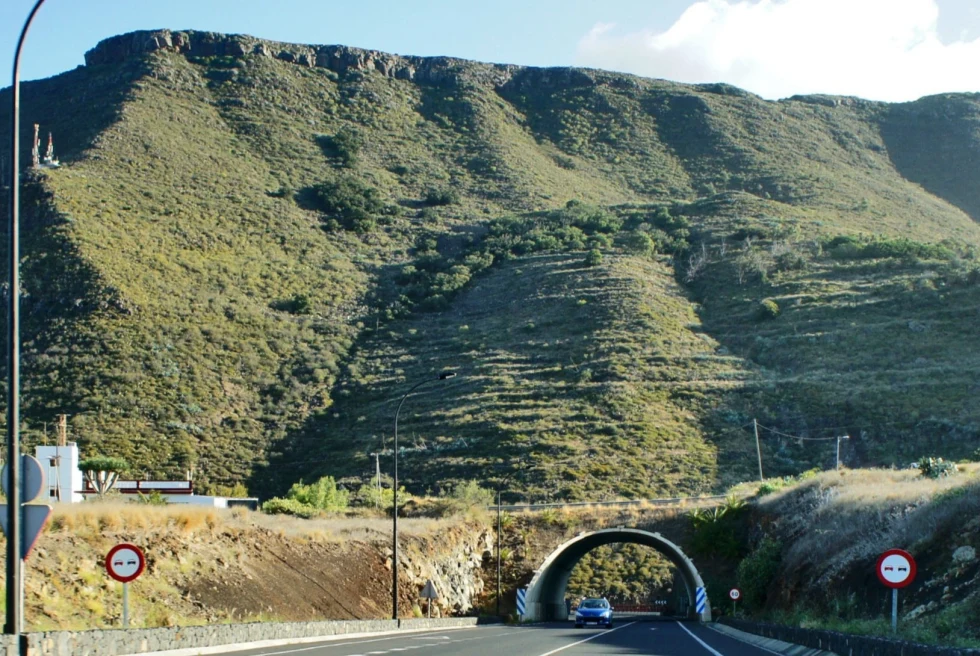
[
  {"x": 125, "y": 562},
  {"x": 521, "y": 602},
  {"x": 734, "y": 594},
  {"x": 428, "y": 593},
  {"x": 896, "y": 569}
]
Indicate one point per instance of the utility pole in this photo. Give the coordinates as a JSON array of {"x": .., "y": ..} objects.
[
  {"x": 839, "y": 438},
  {"x": 758, "y": 449},
  {"x": 377, "y": 479}
]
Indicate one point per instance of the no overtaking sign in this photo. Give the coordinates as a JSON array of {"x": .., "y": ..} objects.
[
  {"x": 896, "y": 568},
  {"x": 125, "y": 562}
]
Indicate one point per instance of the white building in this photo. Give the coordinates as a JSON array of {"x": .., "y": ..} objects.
[{"x": 63, "y": 478}]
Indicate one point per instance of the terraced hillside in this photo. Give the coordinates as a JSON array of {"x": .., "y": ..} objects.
[{"x": 253, "y": 249}]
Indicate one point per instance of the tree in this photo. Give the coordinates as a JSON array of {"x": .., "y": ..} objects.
[
  {"x": 102, "y": 472},
  {"x": 321, "y": 495}
]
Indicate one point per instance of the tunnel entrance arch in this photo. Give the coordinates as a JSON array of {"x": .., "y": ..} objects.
[{"x": 546, "y": 593}]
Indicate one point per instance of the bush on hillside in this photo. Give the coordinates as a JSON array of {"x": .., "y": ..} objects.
[
  {"x": 349, "y": 202},
  {"x": 441, "y": 196},
  {"x": 593, "y": 257},
  {"x": 639, "y": 243},
  {"x": 849, "y": 247},
  {"x": 345, "y": 145},
  {"x": 716, "y": 531},
  {"x": 936, "y": 467},
  {"x": 758, "y": 570},
  {"x": 767, "y": 309},
  {"x": 463, "y": 497}
]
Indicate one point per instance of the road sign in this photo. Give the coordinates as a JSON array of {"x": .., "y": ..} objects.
[
  {"x": 896, "y": 568},
  {"x": 700, "y": 600},
  {"x": 735, "y": 594},
  {"x": 35, "y": 518},
  {"x": 31, "y": 479},
  {"x": 521, "y": 601},
  {"x": 429, "y": 591},
  {"x": 125, "y": 562}
]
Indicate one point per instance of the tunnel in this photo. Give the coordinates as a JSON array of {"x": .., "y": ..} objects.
[{"x": 545, "y": 599}]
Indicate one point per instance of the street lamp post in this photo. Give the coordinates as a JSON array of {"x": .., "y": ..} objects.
[
  {"x": 14, "y": 624},
  {"x": 839, "y": 438},
  {"x": 498, "y": 552},
  {"x": 394, "y": 506}
]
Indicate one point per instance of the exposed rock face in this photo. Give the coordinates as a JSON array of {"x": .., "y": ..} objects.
[
  {"x": 341, "y": 59},
  {"x": 456, "y": 573}
]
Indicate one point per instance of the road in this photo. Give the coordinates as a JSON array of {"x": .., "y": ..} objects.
[{"x": 655, "y": 638}]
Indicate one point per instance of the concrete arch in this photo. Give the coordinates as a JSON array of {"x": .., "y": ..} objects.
[{"x": 546, "y": 593}]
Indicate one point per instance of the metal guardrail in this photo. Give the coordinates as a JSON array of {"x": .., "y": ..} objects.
[{"x": 674, "y": 501}]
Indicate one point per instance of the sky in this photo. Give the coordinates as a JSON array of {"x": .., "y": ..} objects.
[{"x": 892, "y": 50}]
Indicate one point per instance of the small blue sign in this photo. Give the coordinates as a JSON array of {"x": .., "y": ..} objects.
[
  {"x": 521, "y": 601},
  {"x": 700, "y": 600}
]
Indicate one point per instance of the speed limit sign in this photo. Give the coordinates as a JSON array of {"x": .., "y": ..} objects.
[{"x": 735, "y": 594}]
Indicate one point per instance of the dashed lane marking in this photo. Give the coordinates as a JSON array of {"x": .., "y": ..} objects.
[{"x": 598, "y": 635}]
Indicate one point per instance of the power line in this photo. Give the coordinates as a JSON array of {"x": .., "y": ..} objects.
[{"x": 797, "y": 437}]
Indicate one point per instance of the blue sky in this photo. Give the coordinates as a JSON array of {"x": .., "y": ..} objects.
[{"x": 880, "y": 49}]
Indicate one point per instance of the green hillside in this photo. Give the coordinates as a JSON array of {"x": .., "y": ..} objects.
[{"x": 252, "y": 250}]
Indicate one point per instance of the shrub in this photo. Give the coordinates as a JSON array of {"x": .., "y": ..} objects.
[
  {"x": 349, "y": 201},
  {"x": 441, "y": 196},
  {"x": 345, "y": 145},
  {"x": 716, "y": 531},
  {"x": 758, "y": 570},
  {"x": 593, "y": 257},
  {"x": 768, "y": 488},
  {"x": 279, "y": 506},
  {"x": 638, "y": 242},
  {"x": 767, "y": 309},
  {"x": 936, "y": 467},
  {"x": 154, "y": 498}
]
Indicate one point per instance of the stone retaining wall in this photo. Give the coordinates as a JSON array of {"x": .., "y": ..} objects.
[
  {"x": 118, "y": 642},
  {"x": 844, "y": 644}
]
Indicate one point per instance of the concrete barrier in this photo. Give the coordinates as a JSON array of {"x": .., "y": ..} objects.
[
  {"x": 844, "y": 644},
  {"x": 122, "y": 642}
]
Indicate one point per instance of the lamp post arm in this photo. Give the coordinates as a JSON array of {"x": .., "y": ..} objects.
[{"x": 15, "y": 584}]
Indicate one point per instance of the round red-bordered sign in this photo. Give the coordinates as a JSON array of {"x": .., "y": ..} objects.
[
  {"x": 735, "y": 594},
  {"x": 896, "y": 568},
  {"x": 125, "y": 562}
]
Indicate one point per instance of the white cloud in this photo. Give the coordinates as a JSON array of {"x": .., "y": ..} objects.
[{"x": 877, "y": 49}]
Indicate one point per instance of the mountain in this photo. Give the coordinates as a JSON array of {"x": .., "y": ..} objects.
[{"x": 252, "y": 250}]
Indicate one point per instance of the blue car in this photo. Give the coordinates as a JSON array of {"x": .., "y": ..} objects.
[{"x": 594, "y": 611}]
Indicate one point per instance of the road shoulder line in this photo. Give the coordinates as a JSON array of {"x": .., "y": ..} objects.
[
  {"x": 770, "y": 645},
  {"x": 285, "y": 642}
]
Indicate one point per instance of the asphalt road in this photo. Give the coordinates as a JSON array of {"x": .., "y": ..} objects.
[{"x": 656, "y": 638}]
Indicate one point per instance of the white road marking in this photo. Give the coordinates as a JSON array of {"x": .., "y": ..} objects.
[
  {"x": 331, "y": 645},
  {"x": 702, "y": 642},
  {"x": 598, "y": 635}
]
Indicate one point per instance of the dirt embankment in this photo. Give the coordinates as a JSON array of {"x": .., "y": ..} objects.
[{"x": 207, "y": 566}]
